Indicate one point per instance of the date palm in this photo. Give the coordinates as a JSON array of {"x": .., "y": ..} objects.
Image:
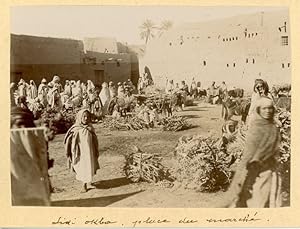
[
  {"x": 147, "y": 30},
  {"x": 165, "y": 26}
]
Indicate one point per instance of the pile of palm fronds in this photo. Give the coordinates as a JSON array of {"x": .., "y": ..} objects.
[
  {"x": 201, "y": 164},
  {"x": 142, "y": 166},
  {"x": 35, "y": 107},
  {"x": 124, "y": 123},
  {"x": 283, "y": 120},
  {"x": 237, "y": 143},
  {"x": 284, "y": 123},
  {"x": 159, "y": 101},
  {"x": 151, "y": 90},
  {"x": 58, "y": 121},
  {"x": 174, "y": 123},
  {"x": 156, "y": 100}
]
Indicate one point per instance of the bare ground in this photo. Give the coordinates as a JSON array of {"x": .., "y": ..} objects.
[{"x": 113, "y": 189}]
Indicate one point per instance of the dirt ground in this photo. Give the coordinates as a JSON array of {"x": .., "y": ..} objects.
[{"x": 112, "y": 188}]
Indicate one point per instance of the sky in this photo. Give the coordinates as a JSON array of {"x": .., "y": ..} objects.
[{"x": 120, "y": 22}]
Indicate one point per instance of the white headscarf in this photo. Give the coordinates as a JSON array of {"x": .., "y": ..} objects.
[
  {"x": 32, "y": 90},
  {"x": 105, "y": 97},
  {"x": 77, "y": 90},
  {"x": 90, "y": 86},
  {"x": 105, "y": 93}
]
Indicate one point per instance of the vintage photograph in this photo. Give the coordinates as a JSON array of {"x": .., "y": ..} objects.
[{"x": 150, "y": 106}]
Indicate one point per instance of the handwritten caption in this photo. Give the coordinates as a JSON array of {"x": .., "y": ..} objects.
[{"x": 139, "y": 222}]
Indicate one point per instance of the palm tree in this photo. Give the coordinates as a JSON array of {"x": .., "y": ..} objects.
[
  {"x": 147, "y": 29},
  {"x": 165, "y": 26}
]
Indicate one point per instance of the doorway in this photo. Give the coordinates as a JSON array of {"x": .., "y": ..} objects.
[{"x": 98, "y": 77}]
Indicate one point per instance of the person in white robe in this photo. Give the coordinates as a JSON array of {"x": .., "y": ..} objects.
[
  {"x": 32, "y": 92},
  {"x": 81, "y": 147},
  {"x": 120, "y": 90},
  {"x": 105, "y": 97}
]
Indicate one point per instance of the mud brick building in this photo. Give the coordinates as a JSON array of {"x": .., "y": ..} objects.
[
  {"x": 96, "y": 59},
  {"x": 236, "y": 50}
]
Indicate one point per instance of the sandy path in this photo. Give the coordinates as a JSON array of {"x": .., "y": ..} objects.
[{"x": 112, "y": 188}]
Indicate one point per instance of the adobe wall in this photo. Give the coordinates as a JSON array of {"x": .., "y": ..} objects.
[
  {"x": 218, "y": 51},
  {"x": 112, "y": 70},
  {"x": 43, "y": 50},
  {"x": 42, "y": 57},
  {"x": 39, "y": 57}
]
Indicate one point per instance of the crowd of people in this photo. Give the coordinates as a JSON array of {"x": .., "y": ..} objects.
[
  {"x": 72, "y": 94},
  {"x": 252, "y": 187},
  {"x": 196, "y": 90}
]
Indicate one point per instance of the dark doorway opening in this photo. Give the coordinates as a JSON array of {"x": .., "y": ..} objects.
[{"x": 98, "y": 77}]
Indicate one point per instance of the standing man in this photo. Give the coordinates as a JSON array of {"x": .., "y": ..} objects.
[{"x": 223, "y": 91}]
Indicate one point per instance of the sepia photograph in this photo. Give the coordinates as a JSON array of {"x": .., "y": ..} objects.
[{"x": 150, "y": 106}]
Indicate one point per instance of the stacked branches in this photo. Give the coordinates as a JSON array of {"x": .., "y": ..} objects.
[
  {"x": 202, "y": 165},
  {"x": 125, "y": 123},
  {"x": 283, "y": 120},
  {"x": 58, "y": 121},
  {"x": 236, "y": 144},
  {"x": 142, "y": 166},
  {"x": 174, "y": 123}
]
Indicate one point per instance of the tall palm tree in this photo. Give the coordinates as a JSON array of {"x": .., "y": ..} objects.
[
  {"x": 165, "y": 26},
  {"x": 147, "y": 30}
]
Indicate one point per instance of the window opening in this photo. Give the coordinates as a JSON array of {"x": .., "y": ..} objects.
[{"x": 284, "y": 40}]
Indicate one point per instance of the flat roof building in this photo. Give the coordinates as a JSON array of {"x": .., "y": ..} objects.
[{"x": 236, "y": 50}]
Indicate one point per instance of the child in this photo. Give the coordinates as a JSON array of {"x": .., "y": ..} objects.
[{"x": 81, "y": 146}]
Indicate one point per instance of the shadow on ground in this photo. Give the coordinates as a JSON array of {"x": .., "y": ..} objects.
[
  {"x": 195, "y": 108},
  {"x": 190, "y": 116},
  {"x": 112, "y": 183},
  {"x": 93, "y": 202}
]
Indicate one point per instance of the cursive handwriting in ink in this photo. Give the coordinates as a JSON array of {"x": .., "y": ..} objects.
[
  {"x": 63, "y": 221},
  {"x": 100, "y": 221},
  {"x": 149, "y": 220},
  {"x": 186, "y": 221},
  {"x": 247, "y": 218}
]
